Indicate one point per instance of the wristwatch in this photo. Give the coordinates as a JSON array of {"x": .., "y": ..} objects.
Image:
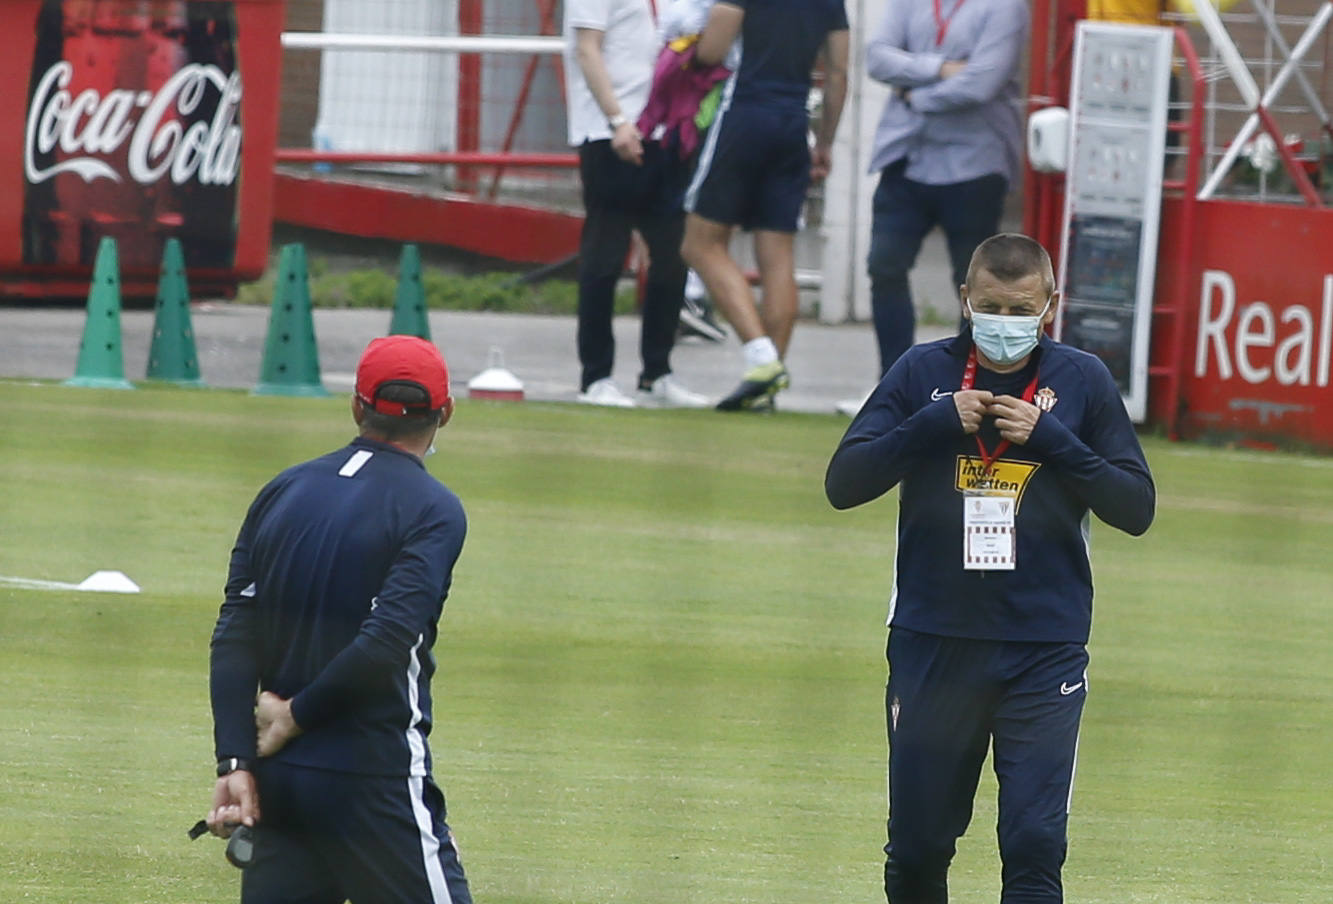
[
  {"x": 229, "y": 764},
  {"x": 617, "y": 121}
]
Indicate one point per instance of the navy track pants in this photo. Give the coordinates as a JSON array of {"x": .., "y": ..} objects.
[
  {"x": 328, "y": 837},
  {"x": 948, "y": 700}
]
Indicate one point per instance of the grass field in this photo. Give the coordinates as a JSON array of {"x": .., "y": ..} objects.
[{"x": 661, "y": 668}]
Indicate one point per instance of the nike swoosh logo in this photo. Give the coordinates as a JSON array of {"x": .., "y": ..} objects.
[
  {"x": 1067, "y": 689},
  {"x": 936, "y": 395}
]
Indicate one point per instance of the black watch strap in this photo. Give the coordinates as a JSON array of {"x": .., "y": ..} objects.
[{"x": 229, "y": 764}]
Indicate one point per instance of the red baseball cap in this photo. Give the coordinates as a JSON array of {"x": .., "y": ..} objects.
[{"x": 402, "y": 360}]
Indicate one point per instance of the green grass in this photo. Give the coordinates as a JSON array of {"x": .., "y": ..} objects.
[{"x": 661, "y": 668}]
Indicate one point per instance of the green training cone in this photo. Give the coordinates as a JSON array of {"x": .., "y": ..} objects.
[
  {"x": 291, "y": 357},
  {"x": 409, "y": 304},
  {"x": 101, "y": 364},
  {"x": 172, "y": 356}
]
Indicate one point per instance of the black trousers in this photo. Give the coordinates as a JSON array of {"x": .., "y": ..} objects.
[
  {"x": 617, "y": 198},
  {"x": 904, "y": 213}
]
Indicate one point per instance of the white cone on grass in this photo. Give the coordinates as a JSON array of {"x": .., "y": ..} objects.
[
  {"x": 495, "y": 382},
  {"x": 97, "y": 582},
  {"x": 109, "y": 582}
]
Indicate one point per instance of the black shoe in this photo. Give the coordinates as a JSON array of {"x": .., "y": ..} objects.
[
  {"x": 757, "y": 389},
  {"x": 697, "y": 320}
]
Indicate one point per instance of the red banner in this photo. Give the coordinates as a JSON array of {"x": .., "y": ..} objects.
[{"x": 1258, "y": 326}]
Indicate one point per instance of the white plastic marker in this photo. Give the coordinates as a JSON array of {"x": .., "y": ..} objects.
[
  {"x": 97, "y": 582},
  {"x": 495, "y": 382}
]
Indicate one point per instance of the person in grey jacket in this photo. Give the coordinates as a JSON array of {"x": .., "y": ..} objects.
[{"x": 948, "y": 144}]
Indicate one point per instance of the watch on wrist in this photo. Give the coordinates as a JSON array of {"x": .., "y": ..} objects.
[
  {"x": 616, "y": 121},
  {"x": 229, "y": 764}
]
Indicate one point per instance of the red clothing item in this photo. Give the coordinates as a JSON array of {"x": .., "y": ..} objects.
[{"x": 678, "y": 87}]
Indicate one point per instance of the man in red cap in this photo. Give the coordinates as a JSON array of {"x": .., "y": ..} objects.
[{"x": 336, "y": 587}]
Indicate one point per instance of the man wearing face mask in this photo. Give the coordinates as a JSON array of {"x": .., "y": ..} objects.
[{"x": 1002, "y": 442}]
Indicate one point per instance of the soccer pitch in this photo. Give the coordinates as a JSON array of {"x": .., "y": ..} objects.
[{"x": 661, "y": 666}]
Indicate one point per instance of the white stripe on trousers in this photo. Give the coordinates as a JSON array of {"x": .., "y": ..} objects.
[
  {"x": 1073, "y": 767},
  {"x": 430, "y": 845}
]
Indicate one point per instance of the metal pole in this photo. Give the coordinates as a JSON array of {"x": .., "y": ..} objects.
[
  {"x": 1312, "y": 31},
  {"x": 310, "y": 40}
]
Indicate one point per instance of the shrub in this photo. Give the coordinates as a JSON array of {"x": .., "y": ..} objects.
[{"x": 444, "y": 291}]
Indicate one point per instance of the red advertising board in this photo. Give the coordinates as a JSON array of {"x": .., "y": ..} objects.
[
  {"x": 142, "y": 121},
  {"x": 1258, "y": 324}
]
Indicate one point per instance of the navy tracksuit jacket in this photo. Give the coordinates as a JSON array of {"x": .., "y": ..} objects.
[{"x": 1083, "y": 456}]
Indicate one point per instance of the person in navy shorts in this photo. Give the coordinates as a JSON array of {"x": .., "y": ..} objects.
[
  {"x": 754, "y": 168},
  {"x": 333, "y": 600},
  {"x": 1002, "y": 443}
]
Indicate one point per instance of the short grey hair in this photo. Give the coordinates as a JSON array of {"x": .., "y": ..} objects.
[{"x": 1011, "y": 256}]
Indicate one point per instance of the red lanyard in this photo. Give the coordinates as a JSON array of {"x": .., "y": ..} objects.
[
  {"x": 969, "y": 379},
  {"x": 941, "y": 23}
]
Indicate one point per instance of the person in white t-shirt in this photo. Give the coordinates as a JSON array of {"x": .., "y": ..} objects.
[{"x": 628, "y": 183}]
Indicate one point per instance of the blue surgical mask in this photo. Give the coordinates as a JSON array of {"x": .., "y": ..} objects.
[{"x": 1006, "y": 338}]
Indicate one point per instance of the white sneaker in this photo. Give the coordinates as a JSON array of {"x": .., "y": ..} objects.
[
  {"x": 666, "y": 392},
  {"x": 852, "y": 407},
  {"x": 605, "y": 392}
]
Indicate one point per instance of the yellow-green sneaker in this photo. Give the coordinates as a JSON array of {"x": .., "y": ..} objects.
[{"x": 758, "y": 387}]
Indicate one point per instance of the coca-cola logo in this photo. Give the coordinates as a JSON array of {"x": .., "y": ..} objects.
[{"x": 89, "y": 124}]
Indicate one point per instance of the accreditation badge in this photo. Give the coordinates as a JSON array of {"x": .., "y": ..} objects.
[{"x": 988, "y": 532}]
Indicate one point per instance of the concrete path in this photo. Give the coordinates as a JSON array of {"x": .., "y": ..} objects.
[{"x": 828, "y": 363}]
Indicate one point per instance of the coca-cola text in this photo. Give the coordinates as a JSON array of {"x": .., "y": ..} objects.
[{"x": 90, "y": 124}]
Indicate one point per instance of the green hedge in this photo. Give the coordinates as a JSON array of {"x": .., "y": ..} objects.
[{"x": 372, "y": 288}]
